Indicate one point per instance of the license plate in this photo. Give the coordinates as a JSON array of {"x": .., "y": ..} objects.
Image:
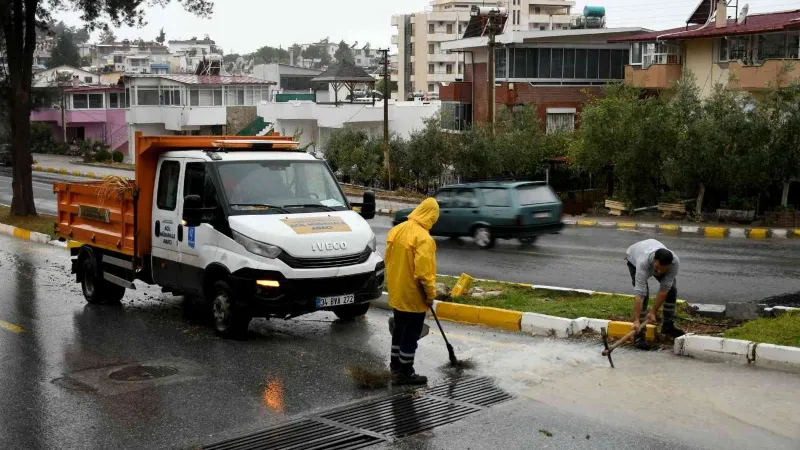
[
  {"x": 327, "y": 302},
  {"x": 542, "y": 215}
]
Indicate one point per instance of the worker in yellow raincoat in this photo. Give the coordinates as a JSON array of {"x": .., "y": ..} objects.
[{"x": 411, "y": 281}]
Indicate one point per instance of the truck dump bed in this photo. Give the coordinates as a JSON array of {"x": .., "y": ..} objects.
[{"x": 116, "y": 214}]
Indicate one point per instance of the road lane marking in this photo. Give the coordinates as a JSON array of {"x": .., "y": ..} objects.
[{"x": 11, "y": 327}]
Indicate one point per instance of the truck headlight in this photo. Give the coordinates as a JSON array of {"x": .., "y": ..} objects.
[
  {"x": 373, "y": 243},
  {"x": 255, "y": 247}
]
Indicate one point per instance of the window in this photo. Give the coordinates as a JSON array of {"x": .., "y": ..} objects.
[
  {"x": 737, "y": 48},
  {"x": 560, "y": 119},
  {"x": 430, "y": 28},
  {"x": 496, "y": 197},
  {"x": 430, "y": 68},
  {"x": 95, "y": 101},
  {"x": 532, "y": 68},
  {"x": 518, "y": 68},
  {"x": 118, "y": 59},
  {"x": 500, "y": 63},
  {"x": 456, "y": 116},
  {"x": 113, "y": 100},
  {"x": 460, "y": 67},
  {"x": 636, "y": 53},
  {"x": 448, "y": 69},
  {"x": 535, "y": 194},
  {"x": 431, "y": 87},
  {"x": 771, "y": 46},
  {"x": 147, "y": 97},
  {"x": 168, "y": 185},
  {"x": 449, "y": 28},
  {"x": 460, "y": 29},
  {"x": 537, "y": 10},
  {"x": 794, "y": 46},
  {"x": 431, "y": 49},
  {"x": 80, "y": 101},
  {"x": 465, "y": 198},
  {"x": 444, "y": 198},
  {"x": 87, "y": 80},
  {"x": 198, "y": 182},
  {"x": 592, "y": 64},
  {"x": 194, "y": 97},
  {"x": 544, "y": 63},
  {"x": 556, "y": 62},
  {"x": 605, "y": 64}
]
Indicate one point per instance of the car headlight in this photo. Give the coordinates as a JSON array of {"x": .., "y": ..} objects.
[
  {"x": 373, "y": 243},
  {"x": 255, "y": 247}
]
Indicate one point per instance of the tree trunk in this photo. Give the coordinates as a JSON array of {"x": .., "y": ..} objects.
[
  {"x": 785, "y": 196},
  {"x": 699, "y": 209},
  {"x": 22, "y": 203}
]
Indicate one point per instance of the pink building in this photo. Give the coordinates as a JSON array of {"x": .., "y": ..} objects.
[{"x": 92, "y": 112}]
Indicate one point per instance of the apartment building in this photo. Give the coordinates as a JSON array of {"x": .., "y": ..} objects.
[
  {"x": 719, "y": 44},
  {"x": 423, "y": 65}
]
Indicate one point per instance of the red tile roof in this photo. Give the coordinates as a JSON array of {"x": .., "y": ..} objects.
[
  {"x": 94, "y": 88},
  {"x": 206, "y": 79},
  {"x": 755, "y": 23}
]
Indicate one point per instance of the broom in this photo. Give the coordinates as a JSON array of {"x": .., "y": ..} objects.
[{"x": 454, "y": 362}]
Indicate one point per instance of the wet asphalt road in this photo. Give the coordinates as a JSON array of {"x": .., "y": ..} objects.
[
  {"x": 712, "y": 271},
  {"x": 55, "y": 392}
]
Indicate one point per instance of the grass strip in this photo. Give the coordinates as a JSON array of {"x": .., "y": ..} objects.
[
  {"x": 781, "y": 330},
  {"x": 41, "y": 224}
]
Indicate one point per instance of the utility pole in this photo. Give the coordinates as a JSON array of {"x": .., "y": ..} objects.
[
  {"x": 386, "y": 90},
  {"x": 494, "y": 26}
]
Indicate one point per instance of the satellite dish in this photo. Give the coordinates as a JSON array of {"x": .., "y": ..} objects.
[{"x": 743, "y": 14}]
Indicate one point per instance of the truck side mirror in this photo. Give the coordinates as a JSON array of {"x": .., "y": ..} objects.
[
  {"x": 368, "y": 206},
  {"x": 192, "y": 210}
]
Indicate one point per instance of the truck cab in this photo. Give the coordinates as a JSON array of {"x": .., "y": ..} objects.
[{"x": 256, "y": 231}]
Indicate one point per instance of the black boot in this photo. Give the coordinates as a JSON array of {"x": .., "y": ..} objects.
[
  {"x": 669, "y": 329},
  {"x": 401, "y": 379}
]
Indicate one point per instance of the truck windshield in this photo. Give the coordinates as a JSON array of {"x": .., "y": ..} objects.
[{"x": 287, "y": 187}]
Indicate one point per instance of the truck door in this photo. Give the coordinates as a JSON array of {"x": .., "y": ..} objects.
[
  {"x": 198, "y": 245},
  {"x": 166, "y": 219}
]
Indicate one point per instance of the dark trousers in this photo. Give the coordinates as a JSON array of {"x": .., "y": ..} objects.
[
  {"x": 669, "y": 303},
  {"x": 407, "y": 329}
]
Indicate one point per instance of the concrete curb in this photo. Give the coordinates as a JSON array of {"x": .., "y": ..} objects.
[
  {"x": 768, "y": 356},
  {"x": 25, "y": 235},
  {"x": 709, "y": 232}
]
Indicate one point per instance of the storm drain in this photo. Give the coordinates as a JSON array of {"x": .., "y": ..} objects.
[
  {"x": 380, "y": 420},
  {"x": 142, "y": 373}
]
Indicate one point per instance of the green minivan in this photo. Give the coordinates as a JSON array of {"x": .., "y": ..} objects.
[{"x": 487, "y": 211}]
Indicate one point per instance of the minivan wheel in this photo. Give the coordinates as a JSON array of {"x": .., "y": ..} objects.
[
  {"x": 229, "y": 321},
  {"x": 350, "y": 312},
  {"x": 483, "y": 237}
]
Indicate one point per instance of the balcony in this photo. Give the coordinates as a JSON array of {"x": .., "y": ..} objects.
[
  {"x": 447, "y": 16},
  {"x": 394, "y": 39},
  {"x": 442, "y": 77},
  {"x": 657, "y": 76},
  {"x": 758, "y": 77},
  {"x": 442, "y": 57},
  {"x": 545, "y": 18},
  {"x": 441, "y": 37}
]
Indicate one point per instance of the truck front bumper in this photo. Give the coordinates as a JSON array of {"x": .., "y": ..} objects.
[{"x": 295, "y": 296}]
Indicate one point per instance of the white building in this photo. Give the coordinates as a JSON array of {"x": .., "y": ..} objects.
[
  {"x": 316, "y": 121},
  {"x": 287, "y": 79},
  {"x": 204, "y": 45},
  {"x": 192, "y": 104},
  {"x": 47, "y": 78},
  {"x": 422, "y": 65}
]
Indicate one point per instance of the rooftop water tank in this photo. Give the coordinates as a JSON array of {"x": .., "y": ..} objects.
[{"x": 594, "y": 11}]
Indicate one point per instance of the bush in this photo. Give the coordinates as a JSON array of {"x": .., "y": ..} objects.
[
  {"x": 102, "y": 156},
  {"x": 117, "y": 156}
]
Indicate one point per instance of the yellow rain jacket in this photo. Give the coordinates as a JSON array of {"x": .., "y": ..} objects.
[{"x": 411, "y": 260}]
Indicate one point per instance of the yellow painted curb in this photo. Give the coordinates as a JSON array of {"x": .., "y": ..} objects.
[
  {"x": 77, "y": 173},
  {"x": 89, "y": 174},
  {"x": 587, "y": 223},
  {"x": 38, "y": 168},
  {"x": 757, "y": 233},
  {"x": 63, "y": 171},
  {"x": 11, "y": 327},
  {"x": 619, "y": 329},
  {"x": 795, "y": 233},
  {"x": 22, "y": 234},
  {"x": 480, "y": 315},
  {"x": 669, "y": 227},
  {"x": 50, "y": 170},
  {"x": 73, "y": 244},
  {"x": 626, "y": 224},
  {"x": 714, "y": 232}
]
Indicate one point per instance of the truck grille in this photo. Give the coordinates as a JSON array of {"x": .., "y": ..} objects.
[{"x": 324, "y": 263}]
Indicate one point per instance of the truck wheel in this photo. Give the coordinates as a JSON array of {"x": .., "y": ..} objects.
[
  {"x": 229, "y": 321},
  {"x": 483, "y": 237},
  {"x": 97, "y": 290},
  {"x": 350, "y": 312}
]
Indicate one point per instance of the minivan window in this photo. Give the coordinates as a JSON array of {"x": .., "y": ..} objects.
[
  {"x": 464, "y": 198},
  {"x": 534, "y": 194},
  {"x": 281, "y": 186},
  {"x": 443, "y": 198},
  {"x": 496, "y": 197}
]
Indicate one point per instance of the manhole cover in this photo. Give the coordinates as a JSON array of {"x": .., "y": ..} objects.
[{"x": 142, "y": 373}]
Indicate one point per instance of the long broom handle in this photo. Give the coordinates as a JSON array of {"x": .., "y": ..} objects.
[
  {"x": 433, "y": 311},
  {"x": 625, "y": 338}
]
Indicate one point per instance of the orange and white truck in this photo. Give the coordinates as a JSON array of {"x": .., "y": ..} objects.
[{"x": 252, "y": 225}]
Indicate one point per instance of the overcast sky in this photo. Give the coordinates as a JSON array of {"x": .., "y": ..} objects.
[{"x": 245, "y": 25}]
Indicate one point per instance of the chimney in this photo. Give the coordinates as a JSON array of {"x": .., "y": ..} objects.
[
  {"x": 291, "y": 56},
  {"x": 722, "y": 14}
]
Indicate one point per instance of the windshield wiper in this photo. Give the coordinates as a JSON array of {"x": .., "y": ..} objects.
[
  {"x": 262, "y": 205},
  {"x": 311, "y": 205}
]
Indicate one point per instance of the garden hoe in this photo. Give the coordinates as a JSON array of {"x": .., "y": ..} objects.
[{"x": 608, "y": 349}]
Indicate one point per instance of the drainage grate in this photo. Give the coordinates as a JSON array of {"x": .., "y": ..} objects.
[
  {"x": 304, "y": 435},
  {"x": 401, "y": 416},
  {"x": 476, "y": 391},
  {"x": 142, "y": 373},
  {"x": 386, "y": 419}
]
